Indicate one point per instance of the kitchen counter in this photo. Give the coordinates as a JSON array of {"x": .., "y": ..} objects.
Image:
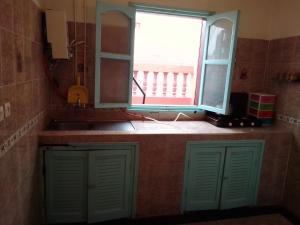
[
  {"x": 162, "y": 148},
  {"x": 195, "y": 127},
  {"x": 191, "y": 128}
]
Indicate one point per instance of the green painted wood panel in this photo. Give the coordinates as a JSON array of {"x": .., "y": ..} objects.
[
  {"x": 66, "y": 186},
  {"x": 203, "y": 176},
  {"x": 129, "y": 12},
  {"x": 110, "y": 184},
  {"x": 221, "y": 174},
  {"x": 240, "y": 173},
  {"x": 216, "y": 74},
  {"x": 170, "y": 11}
]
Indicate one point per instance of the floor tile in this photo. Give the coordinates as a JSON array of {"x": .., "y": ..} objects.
[{"x": 273, "y": 219}]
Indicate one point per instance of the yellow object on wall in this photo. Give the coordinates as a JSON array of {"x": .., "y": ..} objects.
[{"x": 78, "y": 94}]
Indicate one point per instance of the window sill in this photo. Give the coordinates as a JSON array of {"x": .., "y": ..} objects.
[{"x": 140, "y": 108}]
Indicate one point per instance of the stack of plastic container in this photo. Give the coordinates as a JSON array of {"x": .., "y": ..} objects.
[{"x": 262, "y": 107}]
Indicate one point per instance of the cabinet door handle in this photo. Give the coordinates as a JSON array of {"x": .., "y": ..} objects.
[{"x": 225, "y": 178}]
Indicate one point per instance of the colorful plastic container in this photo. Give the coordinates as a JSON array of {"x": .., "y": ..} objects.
[{"x": 262, "y": 106}]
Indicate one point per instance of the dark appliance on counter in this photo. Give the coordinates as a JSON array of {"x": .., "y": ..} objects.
[{"x": 238, "y": 113}]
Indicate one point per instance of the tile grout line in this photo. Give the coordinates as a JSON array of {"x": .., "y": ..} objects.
[
  {"x": 289, "y": 119},
  {"x": 15, "y": 83},
  {"x": 15, "y": 137},
  {"x": 20, "y": 36}
]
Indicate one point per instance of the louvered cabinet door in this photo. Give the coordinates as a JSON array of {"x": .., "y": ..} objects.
[
  {"x": 110, "y": 185},
  {"x": 66, "y": 186},
  {"x": 203, "y": 178},
  {"x": 240, "y": 177}
]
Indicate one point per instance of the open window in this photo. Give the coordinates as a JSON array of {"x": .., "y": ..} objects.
[
  {"x": 114, "y": 55},
  {"x": 164, "y": 59},
  {"x": 218, "y": 62}
]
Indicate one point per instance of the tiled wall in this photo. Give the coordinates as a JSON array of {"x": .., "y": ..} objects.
[
  {"x": 284, "y": 58},
  {"x": 64, "y": 72},
  {"x": 248, "y": 74},
  {"x": 24, "y": 85},
  {"x": 250, "y": 65}
]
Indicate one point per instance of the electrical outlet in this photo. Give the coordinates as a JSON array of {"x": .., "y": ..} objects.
[
  {"x": 1, "y": 113},
  {"x": 7, "y": 109}
]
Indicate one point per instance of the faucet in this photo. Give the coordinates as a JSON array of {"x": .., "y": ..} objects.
[
  {"x": 79, "y": 105},
  {"x": 78, "y": 102}
]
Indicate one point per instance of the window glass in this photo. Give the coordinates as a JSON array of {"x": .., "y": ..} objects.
[
  {"x": 219, "y": 39},
  {"x": 114, "y": 81},
  {"x": 115, "y": 32},
  {"x": 214, "y": 85}
]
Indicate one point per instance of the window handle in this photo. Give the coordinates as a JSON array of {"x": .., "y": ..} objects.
[{"x": 139, "y": 87}]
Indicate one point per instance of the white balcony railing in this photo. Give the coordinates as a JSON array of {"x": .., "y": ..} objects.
[{"x": 164, "y": 81}]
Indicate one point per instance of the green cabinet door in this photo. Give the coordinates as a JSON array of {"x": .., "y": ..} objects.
[
  {"x": 65, "y": 186},
  {"x": 221, "y": 174},
  {"x": 110, "y": 184},
  {"x": 241, "y": 174},
  {"x": 203, "y": 177}
]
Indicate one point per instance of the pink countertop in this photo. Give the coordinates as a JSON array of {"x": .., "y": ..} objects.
[{"x": 166, "y": 128}]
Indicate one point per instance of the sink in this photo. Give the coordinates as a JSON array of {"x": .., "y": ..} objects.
[
  {"x": 78, "y": 125},
  {"x": 61, "y": 125},
  {"x": 121, "y": 126}
]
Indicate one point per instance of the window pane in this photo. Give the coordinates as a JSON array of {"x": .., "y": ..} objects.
[
  {"x": 115, "y": 33},
  {"x": 114, "y": 78},
  {"x": 214, "y": 85},
  {"x": 166, "y": 55},
  {"x": 219, "y": 39}
]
